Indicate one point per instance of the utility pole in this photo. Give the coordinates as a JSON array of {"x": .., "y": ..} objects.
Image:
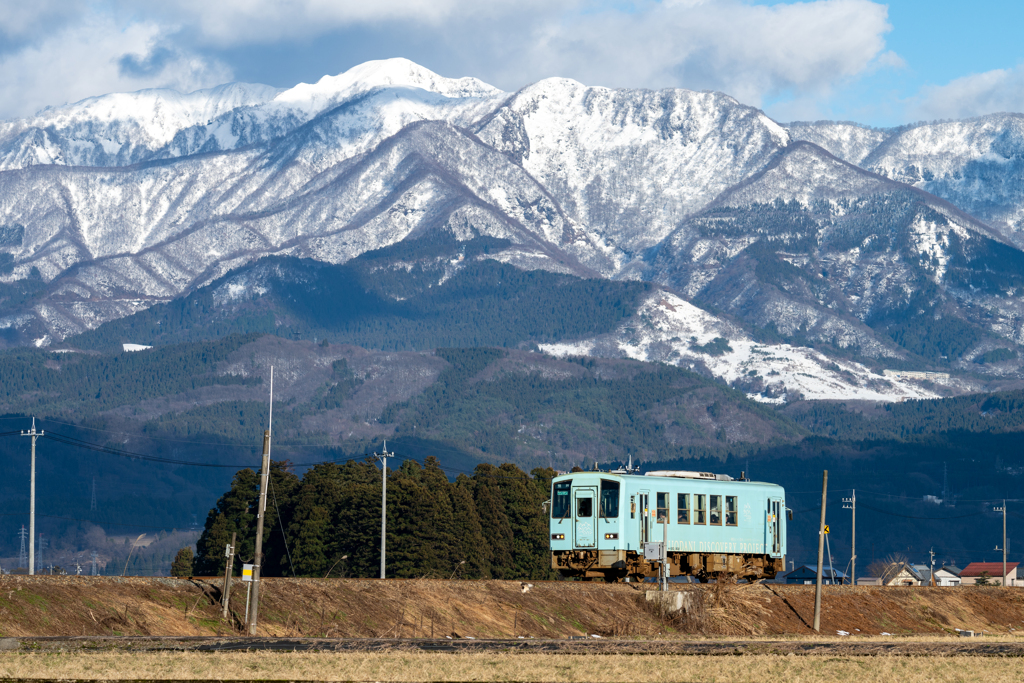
[
  {"x": 251, "y": 614},
  {"x": 92, "y": 507},
  {"x": 32, "y": 500},
  {"x": 258, "y": 560},
  {"x": 664, "y": 550},
  {"x": 851, "y": 504},
  {"x": 931, "y": 554},
  {"x": 821, "y": 554},
  {"x": 1003, "y": 510},
  {"x": 230, "y": 552},
  {"x": 383, "y": 457},
  {"x": 945, "y": 488}
]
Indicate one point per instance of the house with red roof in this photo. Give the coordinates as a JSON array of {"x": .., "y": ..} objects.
[{"x": 994, "y": 570}]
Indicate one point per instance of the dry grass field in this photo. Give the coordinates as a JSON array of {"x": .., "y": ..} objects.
[{"x": 417, "y": 666}]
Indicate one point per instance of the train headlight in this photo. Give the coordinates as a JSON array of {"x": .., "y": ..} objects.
[
  {"x": 557, "y": 537},
  {"x": 611, "y": 537}
]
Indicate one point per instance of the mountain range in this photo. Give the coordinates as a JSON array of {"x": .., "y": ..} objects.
[
  {"x": 836, "y": 250},
  {"x": 564, "y": 275}
]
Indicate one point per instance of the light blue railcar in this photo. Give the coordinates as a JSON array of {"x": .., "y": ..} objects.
[{"x": 714, "y": 525}]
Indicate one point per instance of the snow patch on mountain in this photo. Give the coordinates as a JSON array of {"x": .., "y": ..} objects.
[{"x": 668, "y": 329}]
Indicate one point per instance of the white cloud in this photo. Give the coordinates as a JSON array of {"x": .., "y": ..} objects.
[
  {"x": 94, "y": 57},
  {"x": 235, "y": 22},
  {"x": 1001, "y": 90},
  {"x": 748, "y": 51},
  {"x": 753, "y": 52},
  {"x": 21, "y": 19}
]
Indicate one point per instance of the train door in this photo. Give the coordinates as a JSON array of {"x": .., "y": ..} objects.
[
  {"x": 775, "y": 511},
  {"x": 645, "y": 517},
  {"x": 584, "y": 506}
]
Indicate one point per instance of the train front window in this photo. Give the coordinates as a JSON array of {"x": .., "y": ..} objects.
[
  {"x": 662, "y": 508},
  {"x": 584, "y": 507},
  {"x": 683, "y": 508},
  {"x": 716, "y": 510},
  {"x": 699, "y": 511},
  {"x": 560, "y": 500},
  {"x": 609, "y": 498},
  {"x": 731, "y": 507}
]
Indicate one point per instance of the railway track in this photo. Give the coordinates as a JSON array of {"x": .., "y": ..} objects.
[{"x": 845, "y": 647}]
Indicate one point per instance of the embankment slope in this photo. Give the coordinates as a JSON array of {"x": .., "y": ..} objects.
[{"x": 361, "y": 608}]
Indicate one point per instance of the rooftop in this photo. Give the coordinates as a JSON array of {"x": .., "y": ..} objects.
[{"x": 991, "y": 568}]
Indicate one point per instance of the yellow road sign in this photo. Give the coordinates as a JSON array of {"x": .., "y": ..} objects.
[{"x": 826, "y": 528}]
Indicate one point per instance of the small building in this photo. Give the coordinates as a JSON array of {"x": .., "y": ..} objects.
[
  {"x": 808, "y": 574},
  {"x": 948, "y": 575},
  {"x": 993, "y": 570},
  {"x": 944, "y": 576},
  {"x": 906, "y": 576}
]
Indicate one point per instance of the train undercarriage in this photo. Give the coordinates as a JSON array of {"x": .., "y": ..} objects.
[{"x": 621, "y": 565}]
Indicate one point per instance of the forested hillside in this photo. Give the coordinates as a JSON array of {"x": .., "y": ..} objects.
[
  {"x": 414, "y": 295},
  {"x": 327, "y": 522}
]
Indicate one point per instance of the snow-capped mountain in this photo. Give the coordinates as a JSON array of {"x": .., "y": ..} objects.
[
  {"x": 825, "y": 233},
  {"x": 976, "y": 164},
  {"x": 818, "y": 248},
  {"x": 129, "y": 128},
  {"x": 628, "y": 165}
]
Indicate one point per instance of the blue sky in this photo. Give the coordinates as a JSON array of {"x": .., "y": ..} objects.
[{"x": 875, "y": 63}]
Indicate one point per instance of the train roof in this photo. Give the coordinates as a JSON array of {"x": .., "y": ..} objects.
[{"x": 664, "y": 474}]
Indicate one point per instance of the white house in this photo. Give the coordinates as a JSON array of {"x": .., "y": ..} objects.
[{"x": 944, "y": 576}]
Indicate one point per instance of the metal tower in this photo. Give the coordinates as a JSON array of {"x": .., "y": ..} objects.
[
  {"x": 23, "y": 553},
  {"x": 39, "y": 551}
]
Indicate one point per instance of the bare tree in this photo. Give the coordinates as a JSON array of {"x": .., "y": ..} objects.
[{"x": 888, "y": 569}]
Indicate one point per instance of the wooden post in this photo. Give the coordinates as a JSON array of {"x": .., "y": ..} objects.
[
  {"x": 227, "y": 574},
  {"x": 821, "y": 554},
  {"x": 261, "y": 512}
]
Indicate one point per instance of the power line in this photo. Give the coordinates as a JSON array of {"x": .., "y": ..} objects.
[
  {"x": 163, "y": 438},
  {"x": 112, "y": 525},
  {"x": 100, "y": 448},
  {"x": 894, "y": 514}
]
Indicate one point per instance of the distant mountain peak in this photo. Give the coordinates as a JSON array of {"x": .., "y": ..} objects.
[{"x": 390, "y": 73}]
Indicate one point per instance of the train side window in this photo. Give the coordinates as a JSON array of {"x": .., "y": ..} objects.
[
  {"x": 662, "y": 508},
  {"x": 699, "y": 511},
  {"x": 632, "y": 507},
  {"x": 715, "y": 510},
  {"x": 609, "y": 498},
  {"x": 683, "y": 508},
  {"x": 731, "y": 510},
  {"x": 560, "y": 500}
]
